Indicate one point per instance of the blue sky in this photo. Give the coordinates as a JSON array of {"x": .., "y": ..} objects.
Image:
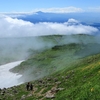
[
  {"x": 30, "y": 5},
  {"x": 21, "y": 28}
]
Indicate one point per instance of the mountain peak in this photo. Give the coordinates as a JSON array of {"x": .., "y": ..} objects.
[{"x": 40, "y": 12}]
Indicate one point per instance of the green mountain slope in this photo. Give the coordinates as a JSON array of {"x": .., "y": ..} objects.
[
  {"x": 80, "y": 81},
  {"x": 67, "y": 50},
  {"x": 48, "y": 62},
  {"x": 64, "y": 72}
]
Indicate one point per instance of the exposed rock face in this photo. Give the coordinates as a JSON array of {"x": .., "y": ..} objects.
[
  {"x": 23, "y": 97},
  {"x": 49, "y": 94}
]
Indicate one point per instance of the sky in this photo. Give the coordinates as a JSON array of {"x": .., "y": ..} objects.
[
  {"x": 31, "y": 5},
  {"x": 14, "y": 27}
]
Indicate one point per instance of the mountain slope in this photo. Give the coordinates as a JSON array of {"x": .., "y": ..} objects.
[
  {"x": 81, "y": 81},
  {"x": 68, "y": 49},
  {"x": 64, "y": 72},
  {"x": 47, "y": 62},
  {"x": 60, "y": 17}
]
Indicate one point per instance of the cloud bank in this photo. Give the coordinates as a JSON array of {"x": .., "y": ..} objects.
[
  {"x": 92, "y": 9},
  {"x": 9, "y": 79},
  {"x": 70, "y": 9},
  {"x": 10, "y": 27}
]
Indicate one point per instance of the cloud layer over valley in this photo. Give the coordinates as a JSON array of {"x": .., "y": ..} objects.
[{"x": 13, "y": 27}]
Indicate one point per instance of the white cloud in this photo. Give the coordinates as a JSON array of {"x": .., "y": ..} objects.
[
  {"x": 70, "y": 9},
  {"x": 6, "y": 75},
  {"x": 60, "y": 10},
  {"x": 17, "y": 14},
  {"x": 10, "y": 27},
  {"x": 94, "y": 9}
]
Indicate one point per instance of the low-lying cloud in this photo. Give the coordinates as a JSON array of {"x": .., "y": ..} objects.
[
  {"x": 70, "y": 9},
  {"x": 9, "y": 79},
  {"x": 10, "y": 27},
  {"x": 94, "y": 9}
]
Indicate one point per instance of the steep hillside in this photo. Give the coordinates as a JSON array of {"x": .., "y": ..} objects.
[
  {"x": 70, "y": 70},
  {"x": 47, "y": 62},
  {"x": 67, "y": 50},
  {"x": 20, "y": 48},
  {"x": 81, "y": 81}
]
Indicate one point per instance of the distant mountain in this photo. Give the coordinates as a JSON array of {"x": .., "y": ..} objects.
[{"x": 39, "y": 16}]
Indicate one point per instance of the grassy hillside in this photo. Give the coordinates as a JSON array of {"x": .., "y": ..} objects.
[
  {"x": 80, "y": 81},
  {"x": 20, "y": 48},
  {"x": 67, "y": 50},
  {"x": 48, "y": 62},
  {"x": 64, "y": 72}
]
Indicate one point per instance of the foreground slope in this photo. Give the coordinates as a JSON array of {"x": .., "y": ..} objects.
[
  {"x": 64, "y": 73},
  {"x": 80, "y": 81}
]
